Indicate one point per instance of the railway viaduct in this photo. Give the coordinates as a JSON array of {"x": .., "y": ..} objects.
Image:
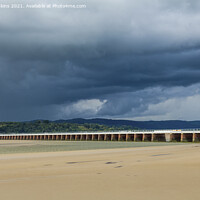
[{"x": 135, "y": 136}]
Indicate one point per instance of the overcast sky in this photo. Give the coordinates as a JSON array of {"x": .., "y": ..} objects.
[{"x": 127, "y": 59}]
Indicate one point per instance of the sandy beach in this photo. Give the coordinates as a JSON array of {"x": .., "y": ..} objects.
[{"x": 159, "y": 172}]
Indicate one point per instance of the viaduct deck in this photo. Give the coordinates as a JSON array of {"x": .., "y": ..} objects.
[{"x": 186, "y": 135}]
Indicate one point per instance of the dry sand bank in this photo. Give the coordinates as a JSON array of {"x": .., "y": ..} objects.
[{"x": 157, "y": 173}]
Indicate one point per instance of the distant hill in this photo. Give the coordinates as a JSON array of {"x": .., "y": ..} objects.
[{"x": 168, "y": 124}]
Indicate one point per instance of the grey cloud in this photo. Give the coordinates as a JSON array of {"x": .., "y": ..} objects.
[
  {"x": 154, "y": 104},
  {"x": 119, "y": 51}
]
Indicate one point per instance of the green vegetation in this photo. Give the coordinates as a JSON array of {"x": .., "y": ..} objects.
[{"x": 41, "y": 126}]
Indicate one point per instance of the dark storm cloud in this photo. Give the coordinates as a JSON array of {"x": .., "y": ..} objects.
[{"x": 121, "y": 55}]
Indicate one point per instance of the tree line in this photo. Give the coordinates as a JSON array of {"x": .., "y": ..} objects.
[{"x": 41, "y": 126}]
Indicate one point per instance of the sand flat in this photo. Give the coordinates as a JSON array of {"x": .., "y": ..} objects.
[{"x": 163, "y": 172}]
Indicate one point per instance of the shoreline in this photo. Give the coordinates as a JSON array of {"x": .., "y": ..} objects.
[{"x": 156, "y": 172}]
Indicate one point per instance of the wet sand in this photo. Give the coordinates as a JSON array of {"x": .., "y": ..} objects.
[{"x": 144, "y": 173}]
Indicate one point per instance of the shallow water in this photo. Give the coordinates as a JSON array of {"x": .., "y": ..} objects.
[{"x": 20, "y": 146}]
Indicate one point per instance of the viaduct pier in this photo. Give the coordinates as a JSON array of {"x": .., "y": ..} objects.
[{"x": 186, "y": 135}]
